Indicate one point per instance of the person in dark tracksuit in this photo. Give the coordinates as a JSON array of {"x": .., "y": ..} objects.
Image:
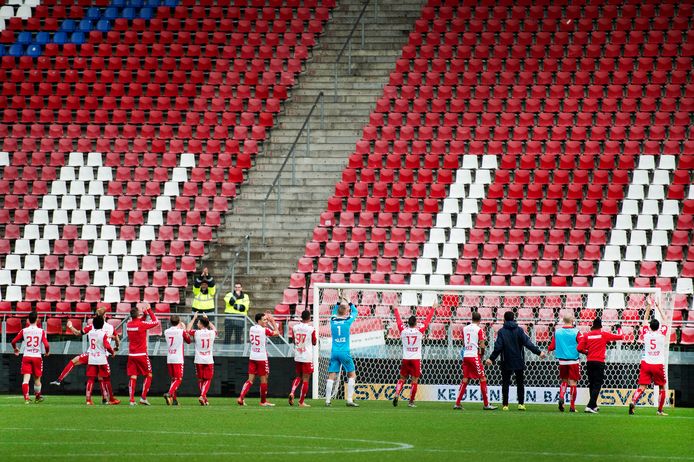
[{"x": 510, "y": 341}]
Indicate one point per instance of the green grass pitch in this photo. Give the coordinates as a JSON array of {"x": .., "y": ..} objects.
[{"x": 63, "y": 428}]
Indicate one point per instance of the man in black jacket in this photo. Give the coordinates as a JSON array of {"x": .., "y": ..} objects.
[{"x": 509, "y": 343}]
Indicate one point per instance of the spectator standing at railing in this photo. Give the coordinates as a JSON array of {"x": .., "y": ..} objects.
[
  {"x": 203, "y": 293},
  {"x": 237, "y": 303}
]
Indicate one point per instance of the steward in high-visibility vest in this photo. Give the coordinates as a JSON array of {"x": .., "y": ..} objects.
[
  {"x": 237, "y": 301},
  {"x": 203, "y": 293}
]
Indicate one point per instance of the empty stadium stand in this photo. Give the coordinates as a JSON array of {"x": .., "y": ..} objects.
[{"x": 540, "y": 143}]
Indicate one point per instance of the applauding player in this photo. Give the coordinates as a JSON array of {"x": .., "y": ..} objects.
[
  {"x": 204, "y": 361},
  {"x": 138, "y": 360},
  {"x": 84, "y": 357},
  {"x": 258, "y": 363},
  {"x": 32, "y": 362},
  {"x": 175, "y": 336},
  {"x": 473, "y": 336},
  {"x": 652, "y": 368},
  {"x": 304, "y": 341},
  {"x": 98, "y": 349},
  {"x": 344, "y": 315},
  {"x": 565, "y": 341},
  {"x": 411, "y": 365}
]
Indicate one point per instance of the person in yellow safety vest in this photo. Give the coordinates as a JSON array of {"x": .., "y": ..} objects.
[
  {"x": 203, "y": 293},
  {"x": 237, "y": 304}
]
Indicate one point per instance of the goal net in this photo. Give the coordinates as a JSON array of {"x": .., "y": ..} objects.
[{"x": 377, "y": 350}]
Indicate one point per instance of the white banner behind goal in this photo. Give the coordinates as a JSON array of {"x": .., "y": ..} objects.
[{"x": 377, "y": 350}]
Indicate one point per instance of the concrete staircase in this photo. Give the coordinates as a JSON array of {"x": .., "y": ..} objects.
[{"x": 317, "y": 171}]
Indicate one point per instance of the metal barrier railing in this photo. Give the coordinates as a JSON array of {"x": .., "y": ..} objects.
[
  {"x": 348, "y": 43},
  {"x": 232, "y": 333},
  {"x": 276, "y": 184}
]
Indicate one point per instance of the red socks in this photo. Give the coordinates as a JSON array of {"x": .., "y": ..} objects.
[
  {"x": 398, "y": 387},
  {"x": 66, "y": 371},
  {"x": 204, "y": 386},
  {"x": 637, "y": 396},
  {"x": 175, "y": 383},
  {"x": 104, "y": 391},
  {"x": 90, "y": 386},
  {"x": 108, "y": 388},
  {"x": 145, "y": 386},
  {"x": 304, "y": 391},
  {"x": 131, "y": 388},
  {"x": 244, "y": 390},
  {"x": 413, "y": 392},
  {"x": 263, "y": 392},
  {"x": 483, "y": 389},
  {"x": 461, "y": 392},
  {"x": 661, "y": 399},
  {"x": 295, "y": 384},
  {"x": 25, "y": 391},
  {"x": 562, "y": 391},
  {"x": 573, "y": 396}
]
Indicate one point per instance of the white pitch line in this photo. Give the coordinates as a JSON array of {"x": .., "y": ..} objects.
[{"x": 394, "y": 445}]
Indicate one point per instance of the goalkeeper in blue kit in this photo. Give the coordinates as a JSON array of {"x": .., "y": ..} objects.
[{"x": 343, "y": 315}]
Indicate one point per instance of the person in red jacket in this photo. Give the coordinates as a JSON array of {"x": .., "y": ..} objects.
[
  {"x": 138, "y": 360},
  {"x": 593, "y": 345}
]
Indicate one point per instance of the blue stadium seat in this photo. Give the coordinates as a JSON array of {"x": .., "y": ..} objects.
[
  {"x": 119, "y": 3},
  {"x": 171, "y": 3},
  {"x": 94, "y": 13},
  {"x": 104, "y": 25},
  {"x": 34, "y": 50},
  {"x": 3, "y": 51},
  {"x": 146, "y": 13},
  {"x": 17, "y": 49},
  {"x": 78, "y": 37},
  {"x": 111, "y": 13},
  {"x": 42, "y": 38},
  {"x": 128, "y": 13},
  {"x": 60, "y": 38},
  {"x": 85, "y": 26},
  {"x": 69, "y": 25},
  {"x": 25, "y": 38},
  {"x": 153, "y": 3},
  {"x": 136, "y": 3}
]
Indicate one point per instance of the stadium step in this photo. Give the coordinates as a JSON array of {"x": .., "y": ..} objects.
[{"x": 319, "y": 170}]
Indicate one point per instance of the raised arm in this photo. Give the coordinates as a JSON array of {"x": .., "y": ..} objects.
[
  {"x": 274, "y": 330},
  {"x": 191, "y": 323},
  {"x": 77, "y": 332},
  {"x": 398, "y": 319},
  {"x": 353, "y": 312},
  {"x": 427, "y": 321},
  {"x": 153, "y": 321}
]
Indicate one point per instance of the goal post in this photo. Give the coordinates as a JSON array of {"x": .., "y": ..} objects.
[{"x": 377, "y": 350}]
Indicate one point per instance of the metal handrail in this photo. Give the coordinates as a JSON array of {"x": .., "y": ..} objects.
[
  {"x": 231, "y": 270},
  {"x": 276, "y": 182},
  {"x": 348, "y": 42}
]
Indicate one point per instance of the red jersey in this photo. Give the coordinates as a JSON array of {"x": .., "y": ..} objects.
[
  {"x": 137, "y": 333},
  {"x": 594, "y": 343}
]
